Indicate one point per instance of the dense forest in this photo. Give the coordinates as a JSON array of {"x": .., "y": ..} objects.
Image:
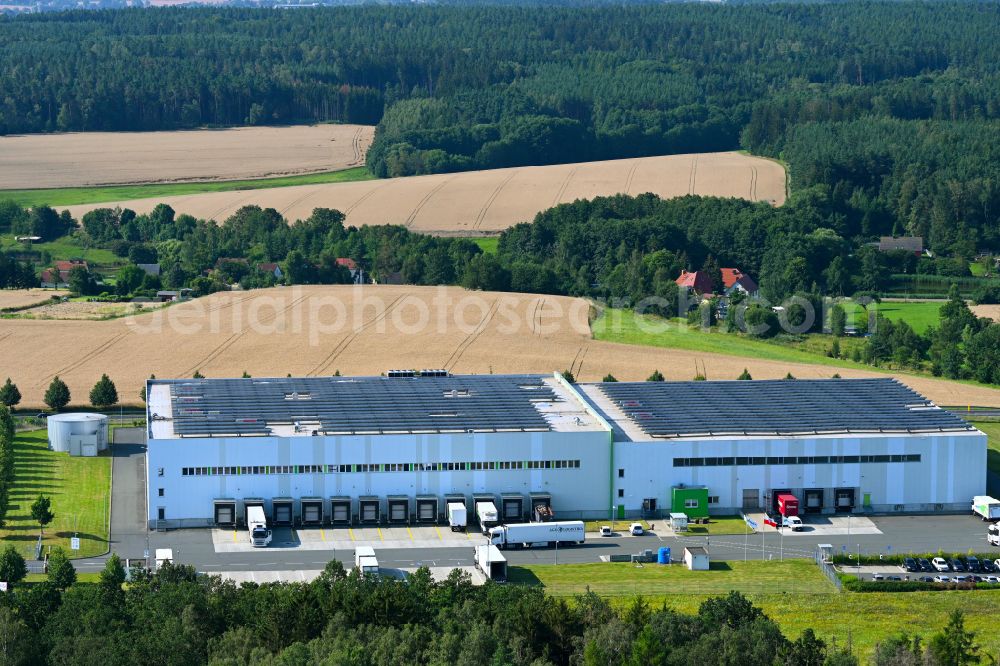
[
  {"x": 178, "y": 617},
  {"x": 892, "y": 108}
]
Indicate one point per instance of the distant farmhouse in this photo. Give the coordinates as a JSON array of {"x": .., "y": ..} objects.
[
  {"x": 58, "y": 277},
  {"x": 733, "y": 280},
  {"x": 914, "y": 244}
]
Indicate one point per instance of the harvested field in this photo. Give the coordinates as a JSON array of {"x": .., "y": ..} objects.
[
  {"x": 991, "y": 311},
  {"x": 77, "y": 310},
  {"x": 366, "y": 330},
  {"x": 478, "y": 202},
  {"x": 115, "y": 158},
  {"x": 21, "y": 298}
]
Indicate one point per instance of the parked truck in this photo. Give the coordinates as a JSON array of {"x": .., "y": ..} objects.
[
  {"x": 488, "y": 516},
  {"x": 365, "y": 561},
  {"x": 163, "y": 555},
  {"x": 457, "y": 517},
  {"x": 986, "y": 507},
  {"x": 527, "y": 535},
  {"x": 491, "y": 562},
  {"x": 788, "y": 505},
  {"x": 260, "y": 536}
]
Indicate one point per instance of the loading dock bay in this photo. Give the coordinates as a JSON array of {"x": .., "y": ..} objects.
[{"x": 346, "y": 538}]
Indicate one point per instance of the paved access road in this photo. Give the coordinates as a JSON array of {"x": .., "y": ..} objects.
[{"x": 898, "y": 534}]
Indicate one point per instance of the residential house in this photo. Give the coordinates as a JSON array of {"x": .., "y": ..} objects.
[
  {"x": 733, "y": 280},
  {"x": 698, "y": 281},
  {"x": 58, "y": 277},
  {"x": 357, "y": 273},
  {"x": 272, "y": 268}
]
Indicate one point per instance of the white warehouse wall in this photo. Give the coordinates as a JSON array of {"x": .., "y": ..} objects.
[
  {"x": 188, "y": 499},
  {"x": 952, "y": 469}
]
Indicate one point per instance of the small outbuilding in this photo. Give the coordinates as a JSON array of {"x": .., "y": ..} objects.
[
  {"x": 78, "y": 433},
  {"x": 696, "y": 558},
  {"x": 678, "y": 522}
]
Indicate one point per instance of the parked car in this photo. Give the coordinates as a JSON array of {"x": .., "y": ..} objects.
[
  {"x": 925, "y": 565},
  {"x": 993, "y": 580},
  {"x": 926, "y": 579},
  {"x": 795, "y": 523},
  {"x": 894, "y": 578},
  {"x": 940, "y": 564},
  {"x": 988, "y": 566},
  {"x": 996, "y": 563},
  {"x": 941, "y": 578},
  {"x": 636, "y": 529},
  {"x": 956, "y": 564},
  {"x": 962, "y": 578},
  {"x": 606, "y": 530},
  {"x": 910, "y": 564},
  {"x": 972, "y": 562},
  {"x": 877, "y": 576}
]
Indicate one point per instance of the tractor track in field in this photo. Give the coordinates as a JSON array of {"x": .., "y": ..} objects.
[
  {"x": 345, "y": 342},
  {"x": 470, "y": 339}
]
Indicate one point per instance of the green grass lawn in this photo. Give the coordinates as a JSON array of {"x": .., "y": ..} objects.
[
  {"x": 87, "y": 195},
  {"x": 80, "y": 490},
  {"x": 793, "y": 593},
  {"x": 624, "y": 579},
  {"x": 719, "y": 525},
  {"x": 81, "y": 577},
  {"x": 919, "y": 314},
  {"x": 616, "y": 525},
  {"x": 487, "y": 244},
  {"x": 627, "y": 327},
  {"x": 66, "y": 248}
]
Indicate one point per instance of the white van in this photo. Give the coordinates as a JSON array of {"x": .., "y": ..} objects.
[{"x": 993, "y": 535}]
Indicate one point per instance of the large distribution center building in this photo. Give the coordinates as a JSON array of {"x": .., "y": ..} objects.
[{"x": 350, "y": 450}]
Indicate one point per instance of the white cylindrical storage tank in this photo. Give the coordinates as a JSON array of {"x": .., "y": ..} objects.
[{"x": 78, "y": 433}]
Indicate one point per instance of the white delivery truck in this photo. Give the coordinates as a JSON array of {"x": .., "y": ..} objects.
[
  {"x": 365, "y": 560},
  {"x": 163, "y": 555},
  {"x": 457, "y": 518},
  {"x": 993, "y": 535},
  {"x": 986, "y": 507},
  {"x": 491, "y": 562},
  {"x": 527, "y": 535},
  {"x": 488, "y": 516},
  {"x": 260, "y": 536}
]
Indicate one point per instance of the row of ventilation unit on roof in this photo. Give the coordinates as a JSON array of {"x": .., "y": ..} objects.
[{"x": 418, "y": 373}]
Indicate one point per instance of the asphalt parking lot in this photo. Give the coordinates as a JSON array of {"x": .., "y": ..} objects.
[{"x": 215, "y": 551}]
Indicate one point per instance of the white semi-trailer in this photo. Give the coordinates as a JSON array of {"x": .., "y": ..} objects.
[
  {"x": 527, "y": 535},
  {"x": 260, "y": 536},
  {"x": 986, "y": 507},
  {"x": 491, "y": 562},
  {"x": 163, "y": 556},
  {"x": 488, "y": 516},
  {"x": 365, "y": 560},
  {"x": 457, "y": 517}
]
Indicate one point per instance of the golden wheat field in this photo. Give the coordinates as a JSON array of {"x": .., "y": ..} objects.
[
  {"x": 20, "y": 298},
  {"x": 362, "y": 331},
  {"x": 479, "y": 202},
  {"x": 116, "y": 158}
]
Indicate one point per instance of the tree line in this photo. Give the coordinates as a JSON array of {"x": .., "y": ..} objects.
[
  {"x": 174, "y": 616},
  {"x": 891, "y": 109}
]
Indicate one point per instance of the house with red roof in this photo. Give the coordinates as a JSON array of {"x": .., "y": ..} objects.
[
  {"x": 58, "y": 277},
  {"x": 733, "y": 279},
  {"x": 272, "y": 268},
  {"x": 357, "y": 274},
  {"x": 698, "y": 281}
]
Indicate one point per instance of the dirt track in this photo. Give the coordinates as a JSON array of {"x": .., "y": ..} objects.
[
  {"x": 115, "y": 158},
  {"x": 318, "y": 330},
  {"x": 478, "y": 202}
]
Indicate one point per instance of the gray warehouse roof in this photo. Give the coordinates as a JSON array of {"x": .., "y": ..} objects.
[
  {"x": 361, "y": 405},
  {"x": 777, "y": 407}
]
